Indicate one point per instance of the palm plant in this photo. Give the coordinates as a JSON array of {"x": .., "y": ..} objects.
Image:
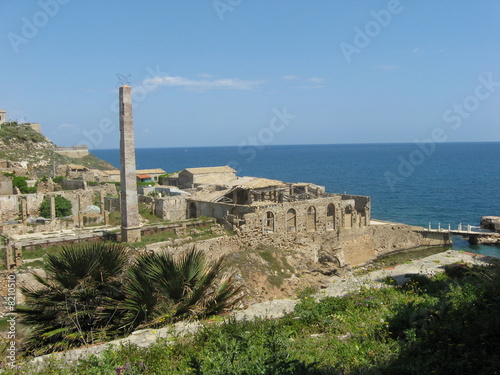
[
  {"x": 73, "y": 304},
  {"x": 162, "y": 288}
]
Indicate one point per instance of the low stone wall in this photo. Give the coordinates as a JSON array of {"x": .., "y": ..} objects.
[{"x": 73, "y": 152}]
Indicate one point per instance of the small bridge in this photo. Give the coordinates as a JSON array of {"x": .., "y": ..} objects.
[{"x": 464, "y": 231}]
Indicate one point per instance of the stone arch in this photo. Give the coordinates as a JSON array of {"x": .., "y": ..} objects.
[
  {"x": 193, "y": 214},
  {"x": 347, "y": 217},
  {"x": 291, "y": 221},
  {"x": 330, "y": 217},
  {"x": 268, "y": 222},
  {"x": 311, "y": 219}
]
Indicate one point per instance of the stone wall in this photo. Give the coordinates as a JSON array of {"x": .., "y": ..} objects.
[
  {"x": 6, "y": 187},
  {"x": 68, "y": 184},
  {"x": 171, "y": 208},
  {"x": 10, "y": 210},
  {"x": 73, "y": 152}
]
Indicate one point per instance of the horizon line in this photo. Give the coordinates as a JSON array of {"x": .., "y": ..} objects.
[{"x": 297, "y": 144}]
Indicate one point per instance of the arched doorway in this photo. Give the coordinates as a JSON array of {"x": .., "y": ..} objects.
[
  {"x": 330, "y": 217},
  {"x": 192, "y": 211},
  {"x": 311, "y": 219},
  {"x": 268, "y": 224},
  {"x": 348, "y": 217}
]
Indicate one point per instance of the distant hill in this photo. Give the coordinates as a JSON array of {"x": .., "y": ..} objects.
[
  {"x": 23, "y": 145},
  {"x": 14, "y": 136}
]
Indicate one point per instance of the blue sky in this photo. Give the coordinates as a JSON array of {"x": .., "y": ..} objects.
[{"x": 233, "y": 72}]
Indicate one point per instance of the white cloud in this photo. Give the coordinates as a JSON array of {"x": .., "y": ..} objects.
[
  {"x": 316, "y": 80},
  {"x": 290, "y": 77},
  {"x": 204, "y": 84}
]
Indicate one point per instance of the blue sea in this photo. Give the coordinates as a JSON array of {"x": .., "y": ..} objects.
[{"x": 446, "y": 183}]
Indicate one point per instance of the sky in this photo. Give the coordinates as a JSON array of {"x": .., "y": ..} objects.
[{"x": 261, "y": 72}]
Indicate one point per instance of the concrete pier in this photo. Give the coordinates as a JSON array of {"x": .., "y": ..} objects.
[{"x": 130, "y": 223}]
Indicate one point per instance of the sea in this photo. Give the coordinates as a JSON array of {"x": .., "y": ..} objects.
[{"x": 424, "y": 184}]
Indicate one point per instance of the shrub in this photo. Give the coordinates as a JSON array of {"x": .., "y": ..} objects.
[
  {"x": 63, "y": 207},
  {"x": 58, "y": 179},
  {"x": 71, "y": 305},
  {"x": 22, "y": 185}
]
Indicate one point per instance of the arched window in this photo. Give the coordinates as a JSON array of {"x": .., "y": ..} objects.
[
  {"x": 311, "y": 219},
  {"x": 291, "y": 221},
  {"x": 330, "y": 217},
  {"x": 347, "y": 217},
  {"x": 268, "y": 225}
]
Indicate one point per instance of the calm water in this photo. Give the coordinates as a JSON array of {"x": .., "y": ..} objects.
[{"x": 455, "y": 183}]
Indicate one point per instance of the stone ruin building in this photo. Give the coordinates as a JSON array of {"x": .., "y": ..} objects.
[{"x": 260, "y": 206}]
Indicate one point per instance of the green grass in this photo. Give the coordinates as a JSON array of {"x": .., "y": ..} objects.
[
  {"x": 40, "y": 252},
  {"x": 201, "y": 233},
  {"x": 448, "y": 324},
  {"x": 146, "y": 214}
]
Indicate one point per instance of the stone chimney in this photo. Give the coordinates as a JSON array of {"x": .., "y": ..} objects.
[{"x": 131, "y": 223}]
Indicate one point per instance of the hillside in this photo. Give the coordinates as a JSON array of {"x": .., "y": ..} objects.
[{"x": 26, "y": 147}]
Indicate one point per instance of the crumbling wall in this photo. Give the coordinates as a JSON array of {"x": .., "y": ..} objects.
[
  {"x": 312, "y": 215},
  {"x": 171, "y": 208},
  {"x": 6, "y": 187},
  {"x": 67, "y": 184},
  {"x": 10, "y": 204}
]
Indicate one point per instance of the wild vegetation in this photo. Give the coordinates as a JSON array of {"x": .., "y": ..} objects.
[
  {"x": 12, "y": 134},
  {"x": 448, "y": 324},
  {"x": 94, "y": 292},
  {"x": 62, "y": 207}
]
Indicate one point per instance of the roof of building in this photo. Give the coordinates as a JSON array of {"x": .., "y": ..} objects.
[
  {"x": 151, "y": 171},
  {"x": 249, "y": 183},
  {"x": 77, "y": 167},
  {"x": 99, "y": 172},
  {"x": 259, "y": 183},
  {"x": 205, "y": 170},
  {"x": 112, "y": 172},
  {"x": 143, "y": 176},
  {"x": 210, "y": 196}
]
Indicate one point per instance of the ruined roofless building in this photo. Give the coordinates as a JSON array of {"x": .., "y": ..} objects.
[{"x": 131, "y": 224}]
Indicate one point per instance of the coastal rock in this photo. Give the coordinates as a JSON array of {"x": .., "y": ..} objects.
[
  {"x": 491, "y": 223},
  {"x": 494, "y": 239}
]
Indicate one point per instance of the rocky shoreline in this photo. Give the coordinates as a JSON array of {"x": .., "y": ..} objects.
[{"x": 491, "y": 223}]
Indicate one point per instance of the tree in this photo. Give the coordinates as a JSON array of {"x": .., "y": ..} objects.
[
  {"x": 63, "y": 207},
  {"x": 74, "y": 303},
  {"x": 160, "y": 288}
]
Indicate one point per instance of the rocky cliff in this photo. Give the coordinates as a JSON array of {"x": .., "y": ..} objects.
[{"x": 30, "y": 153}]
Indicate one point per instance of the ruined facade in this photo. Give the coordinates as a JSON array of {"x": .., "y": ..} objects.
[
  {"x": 278, "y": 208},
  {"x": 260, "y": 206}
]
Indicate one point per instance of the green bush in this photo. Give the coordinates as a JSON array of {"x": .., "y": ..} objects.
[
  {"x": 22, "y": 185},
  {"x": 63, "y": 207},
  {"x": 58, "y": 179}
]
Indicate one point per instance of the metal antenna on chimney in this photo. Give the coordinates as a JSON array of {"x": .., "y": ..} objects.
[{"x": 123, "y": 80}]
